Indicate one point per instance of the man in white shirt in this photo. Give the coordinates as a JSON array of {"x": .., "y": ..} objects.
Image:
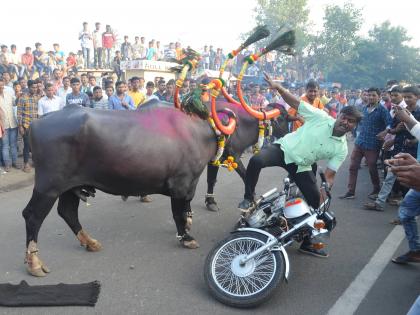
[
  {"x": 85, "y": 38},
  {"x": 150, "y": 87},
  {"x": 9, "y": 138},
  {"x": 49, "y": 102},
  {"x": 64, "y": 90},
  {"x": 142, "y": 48},
  {"x": 396, "y": 93},
  {"x": 97, "y": 45},
  {"x": 15, "y": 62}
]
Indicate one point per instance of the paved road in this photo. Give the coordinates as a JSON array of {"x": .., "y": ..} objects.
[{"x": 167, "y": 279}]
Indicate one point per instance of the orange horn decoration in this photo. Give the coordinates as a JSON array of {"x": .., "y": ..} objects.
[
  {"x": 176, "y": 98},
  {"x": 229, "y": 98},
  {"x": 227, "y": 130},
  {"x": 255, "y": 113}
]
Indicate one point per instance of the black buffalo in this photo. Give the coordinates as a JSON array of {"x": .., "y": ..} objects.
[{"x": 157, "y": 150}]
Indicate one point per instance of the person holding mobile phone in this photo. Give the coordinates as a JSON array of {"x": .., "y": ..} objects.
[
  {"x": 403, "y": 142},
  {"x": 407, "y": 170}
]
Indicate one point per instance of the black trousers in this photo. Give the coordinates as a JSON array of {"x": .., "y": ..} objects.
[{"x": 273, "y": 155}]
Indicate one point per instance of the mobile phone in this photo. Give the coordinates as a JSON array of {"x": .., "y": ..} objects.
[{"x": 386, "y": 162}]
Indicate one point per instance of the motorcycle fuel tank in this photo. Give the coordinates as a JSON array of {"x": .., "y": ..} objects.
[{"x": 295, "y": 208}]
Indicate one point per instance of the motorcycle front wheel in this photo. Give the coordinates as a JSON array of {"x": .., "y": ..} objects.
[{"x": 243, "y": 285}]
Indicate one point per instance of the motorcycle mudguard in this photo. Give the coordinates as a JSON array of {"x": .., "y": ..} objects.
[{"x": 280, "y": 248}]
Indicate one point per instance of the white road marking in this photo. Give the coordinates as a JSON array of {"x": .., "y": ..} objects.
[{"x": 350, "y": 300}]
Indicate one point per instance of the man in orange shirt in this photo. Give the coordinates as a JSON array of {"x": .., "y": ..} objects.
[{"x": 310, "y": 97}]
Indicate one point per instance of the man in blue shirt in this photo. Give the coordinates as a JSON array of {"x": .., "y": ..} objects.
[
  {"x": 403, "y": 142},
  {"x": 160, "y": 93},
  {"x": 76, "y": 97},
  {"x": 120, "y": 100},
  {"x": 375, "y": 119}
]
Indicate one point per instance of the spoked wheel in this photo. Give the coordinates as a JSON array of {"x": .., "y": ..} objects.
[{"x": 242, "y": 285}]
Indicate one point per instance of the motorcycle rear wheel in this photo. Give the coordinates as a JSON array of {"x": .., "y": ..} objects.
[{"x": 245, "y": 285}]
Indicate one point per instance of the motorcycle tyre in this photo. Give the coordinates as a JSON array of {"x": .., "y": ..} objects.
[{"x": 249, "y": 301}]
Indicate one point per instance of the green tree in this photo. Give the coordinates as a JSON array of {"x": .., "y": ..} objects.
[
  {"x": 335, "y": 44},
  {"x": 291, "y": 14},
  {"x": 396, "y": 60},
  {"x": 379, "y": 58}
]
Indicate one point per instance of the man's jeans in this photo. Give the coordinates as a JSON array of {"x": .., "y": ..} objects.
[
  {"x": 9, "y": 141},
  {"x": 28, "y": 73},
  {"x": 409, "y": 210},
  {"x": 415, "y": 308},
  {"x": 371, "y": 157},
  {"x": 26, "y": 146},
  {"x": 39, "y": 68},
  {"x": 86, "y": 56},
  {"x": 98, "y": 57},
  {"x": 15, "y": 69},
  {"x": 108, "y": 57},
  {"x": 386, "y": 189}
]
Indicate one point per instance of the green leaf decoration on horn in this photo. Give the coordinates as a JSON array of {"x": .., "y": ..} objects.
[
  {"x": 192, "y": 104},
  {"x": 259, "y": 32},
  {"x": 187, "y": 55},
  {"x": 283, "y": 43}
]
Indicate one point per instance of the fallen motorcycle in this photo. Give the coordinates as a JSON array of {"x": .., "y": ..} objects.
[{"x": 244, "y": 269}]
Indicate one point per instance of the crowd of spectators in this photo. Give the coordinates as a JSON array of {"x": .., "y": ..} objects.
[
  {"x": 102, "y": 49},
  {"x": 65, "y": 81}
]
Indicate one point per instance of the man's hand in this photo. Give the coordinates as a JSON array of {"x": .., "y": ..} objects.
[
  {"x": 402, "y": 114},
  {"x": 388, "y": 145},
  {"x": 410, "y": 142},
  {"x": 123, "y": 103},
  {"x": 270, "y": 82},
  {"x": 401, "y": 159},
  {"x": 400, "y": 127},
  {"x": 381, "y": 136},
  {"x": 407, "y": 170},
  {"x": 301, "y": 119},
  {"x": 288, "y": 97},
  {"x": 408, "y": 175},
  {"x": 21, "y": 130}
]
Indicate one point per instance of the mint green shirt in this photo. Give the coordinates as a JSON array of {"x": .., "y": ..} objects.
[{"x": 314, "y": 141}]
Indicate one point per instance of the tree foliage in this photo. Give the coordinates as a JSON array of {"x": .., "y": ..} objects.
[
  {"x": 338, "y": 50},
  {"x": 335, "y": 44},
  {"x": 292, "y": 14},
  {"x": 383, "y": 56}
]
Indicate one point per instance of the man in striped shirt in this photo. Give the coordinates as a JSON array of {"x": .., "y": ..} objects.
[{"x": 27, "y": 111}]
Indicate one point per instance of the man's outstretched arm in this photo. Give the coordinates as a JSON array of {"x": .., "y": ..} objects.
[{"x": 288, "y": 97}]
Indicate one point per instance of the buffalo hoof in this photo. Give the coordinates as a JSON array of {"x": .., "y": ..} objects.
[
  {"x": 212, "y": 207},
  {"x": 145, "y": 198},
  {"x": 88, "y": 242},
  {"x": 188, "y": 241},
  {"x": 35, "y": 265},
  {"x": 211, "y": 204},
  {"x": 38, "y": 272},
  {"x": 190, "y": 244},
  {"x": 93, "y": 246},
  {"x": 124, "y": 198}
]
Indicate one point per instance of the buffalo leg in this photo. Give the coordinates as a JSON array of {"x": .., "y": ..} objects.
[
  {"x": 211, "y": 203},
  {"x": 68, "y": 204},
  {"x": 188, "y": 214},
  {"x": 180, "y": 207},
  {"x": 34, "y": 214}
]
